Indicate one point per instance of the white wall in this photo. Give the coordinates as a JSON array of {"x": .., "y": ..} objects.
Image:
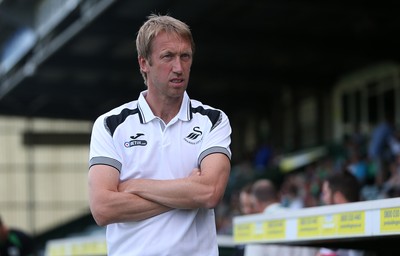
[{"x": 41, "y": 186}]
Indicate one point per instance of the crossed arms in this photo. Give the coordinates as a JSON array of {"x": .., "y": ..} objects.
[{"x": 137, "y": 199}]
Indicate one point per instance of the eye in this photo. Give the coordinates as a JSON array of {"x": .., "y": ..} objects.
[
  {"x": 186, "y": 56},
  {"x": 167, "y": 56}
]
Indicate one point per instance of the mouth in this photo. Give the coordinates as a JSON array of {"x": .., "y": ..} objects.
[{"x": 177, "y": 81}]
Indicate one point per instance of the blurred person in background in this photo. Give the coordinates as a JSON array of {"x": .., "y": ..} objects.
[
  {"x": 291, "y": 192},
  {"x": 15, "y": 242},
  {"x": 391, "y": 187},
  {"x": 265, "y": 197},
  {"x": 266, "y": 200},
  {"x": 245, "y": 200},
  {"x": 380, "y": 148},
  {"x": 159, "y": 165},
  {"x": 340, "y": 188},
  {"x": 245, "y": 207}
]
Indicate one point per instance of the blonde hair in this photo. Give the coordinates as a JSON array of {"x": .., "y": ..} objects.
[{"x": 152, "y": 27}]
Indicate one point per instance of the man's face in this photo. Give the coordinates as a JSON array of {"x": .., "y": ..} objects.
[
  {"x": 246, "y": 205},
  {"x": 257, "y": 206},
  {"x": 168, "y": 69},
  {"x": 326, "y": 194}
]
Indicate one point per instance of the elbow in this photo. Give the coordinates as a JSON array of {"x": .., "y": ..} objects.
[
  {"x": 100, "y": 218},
  {"x": 100, "y": 221},
  {"x": 213, "y": 199},
  {"x": 212, "y": 203}
]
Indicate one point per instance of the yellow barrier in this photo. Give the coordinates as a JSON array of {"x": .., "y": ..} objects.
[
  {"x": 80, "y": 246},
  {"x": 96, "y": 246},
  {"x": 361, "y": 219}
]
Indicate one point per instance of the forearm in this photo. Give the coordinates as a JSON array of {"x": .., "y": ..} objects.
[
  {"x": 112, "y": 207},
  {"x": 108, "y": 205},
  {"x": 201, "y": 189},
  {"x": 179, "y": 193}
]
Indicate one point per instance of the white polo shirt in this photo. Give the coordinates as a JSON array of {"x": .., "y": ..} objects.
[{"x": 139, "y": 145}]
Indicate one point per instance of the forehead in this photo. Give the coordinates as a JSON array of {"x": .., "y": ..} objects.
[
  {"x": 170, "y": 41},
  {"x": 325, "y": 186},
  {"x": 244, "y": 196}
]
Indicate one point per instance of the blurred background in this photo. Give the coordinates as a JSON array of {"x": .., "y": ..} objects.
[{"x": 305, "y": 83}]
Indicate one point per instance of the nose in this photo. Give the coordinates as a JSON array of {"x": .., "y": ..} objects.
[{"x": 177, "y": 65}]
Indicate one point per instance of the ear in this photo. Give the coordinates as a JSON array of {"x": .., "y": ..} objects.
[
  {"x": 143, "y": 64},
  {"x": 339, "y": 198}
]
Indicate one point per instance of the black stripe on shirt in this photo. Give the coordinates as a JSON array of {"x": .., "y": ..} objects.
[
  {"x": 112, "y": 122},
  {"x": 214, "y": 115}
]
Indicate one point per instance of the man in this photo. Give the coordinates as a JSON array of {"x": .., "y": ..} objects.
[
  {"x": 265, "y": 198},
  {"x": 340, "y": 188},
  {"x": 14, "y": 242},
  {"x": 160, "y": 164},
  {"x": 245, "y": 200},
  {"x": 245, "y": 207}
]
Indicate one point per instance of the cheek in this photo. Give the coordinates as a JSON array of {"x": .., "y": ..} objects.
[
  {"x": 187, "y": 66},
  {"x": 162, "y": 71},
  {"x": 326, "y": 197}
]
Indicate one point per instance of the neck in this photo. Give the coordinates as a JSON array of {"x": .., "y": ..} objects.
[{"x": 165, "y": 108}]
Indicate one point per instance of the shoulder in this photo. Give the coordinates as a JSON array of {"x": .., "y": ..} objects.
[
  {"x": 121, "y": 110},
  {"x": 275, "y": 208},
  {"x": 115, "y": 117},
  {"x": 132, "y": 105},
  {"x": 199, "y": 104},
  {"x": 214, "y": 114}
]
